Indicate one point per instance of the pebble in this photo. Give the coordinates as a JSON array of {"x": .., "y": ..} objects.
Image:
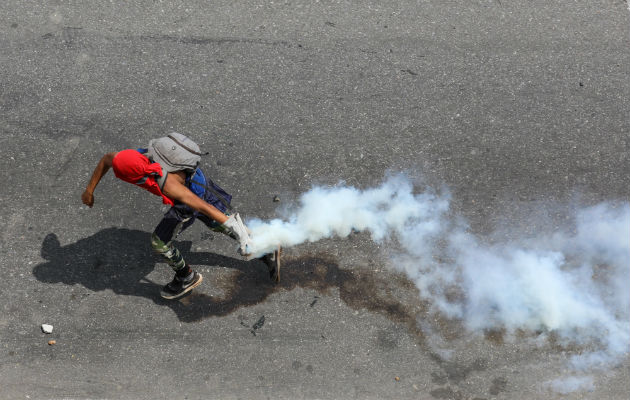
[
  {"x": 47, "y": 328},
  {"x": 52, "y": 342}
]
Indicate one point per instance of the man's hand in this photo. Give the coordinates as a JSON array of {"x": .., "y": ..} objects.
[
  {"x": 236, "y": 226},
  {"x": 101, "y": 169},
  {"x": 88, "y": 198}
]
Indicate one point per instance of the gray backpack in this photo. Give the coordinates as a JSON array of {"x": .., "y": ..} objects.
[{"x": 175, "y": 152}]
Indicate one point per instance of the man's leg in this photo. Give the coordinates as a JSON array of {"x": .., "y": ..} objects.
[{"x": 162, "y": 243}]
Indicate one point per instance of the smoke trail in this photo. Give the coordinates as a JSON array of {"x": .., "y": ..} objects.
[
  {"x": 338, "y": 211},
  {"x": 576, "y": 285}
]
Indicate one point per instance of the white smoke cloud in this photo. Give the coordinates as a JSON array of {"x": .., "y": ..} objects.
[
  {"x": 338, "y": 211},
  {"x": 575, "y": 284}
]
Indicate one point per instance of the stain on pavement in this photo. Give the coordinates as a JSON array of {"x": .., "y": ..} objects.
[{"x": 120, "y": 259}]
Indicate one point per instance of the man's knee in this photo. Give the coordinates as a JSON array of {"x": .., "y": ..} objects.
[
  {"x": 158, "y": 245},
  {"x": 168, "y": 251}
]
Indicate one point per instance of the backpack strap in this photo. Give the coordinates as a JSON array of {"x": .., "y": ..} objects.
[{"x": 161, "y": 179}]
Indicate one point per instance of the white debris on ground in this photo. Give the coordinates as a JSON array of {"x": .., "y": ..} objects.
[{"x": 47, "y": 328}]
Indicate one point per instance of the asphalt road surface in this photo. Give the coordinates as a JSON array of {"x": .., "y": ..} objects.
[{"x": 520, "y": 108}]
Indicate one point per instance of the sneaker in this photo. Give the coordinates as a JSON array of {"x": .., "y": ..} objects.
[
  {"x": 272, "y": 260},
  {"x": 177, "y": 288}
]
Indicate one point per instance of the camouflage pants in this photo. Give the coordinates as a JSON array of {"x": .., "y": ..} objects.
[{"x": 174, "y": 222}]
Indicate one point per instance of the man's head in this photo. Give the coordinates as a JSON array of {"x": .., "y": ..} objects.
[
  {"x": 175, "y": 152},
  {"x": 131, "y": 166}
]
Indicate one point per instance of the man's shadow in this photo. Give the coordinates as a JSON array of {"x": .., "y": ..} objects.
[{"x": 120, "y": 260}]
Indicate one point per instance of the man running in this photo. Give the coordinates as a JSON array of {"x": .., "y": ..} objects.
[{"x": 170, "y": 168}]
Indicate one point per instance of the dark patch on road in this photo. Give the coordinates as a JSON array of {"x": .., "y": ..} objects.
[
  {"x": 58, "y": 128},
  {"x": 498, "y": 385},
  {"x": 198, "y": 40},
  {"x": 439, "y": 377},
  {"x": 206, "y": 236},
  {"x": 446, "y": 393},
  {"x": 455, "y": 372},
  {"x": 495, "y": 335},
  {"x": 120, "y": 260},
  {"x": 15, "y": 100},
  {"x": 70, "y": 35},
  {"x": 69, "y": 38},
  {"x": 259, "y": 324},
  {"x": 387, "y": 339}
]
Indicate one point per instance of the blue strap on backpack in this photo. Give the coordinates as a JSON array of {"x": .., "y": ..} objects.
[{"x": 208, "y": 190}]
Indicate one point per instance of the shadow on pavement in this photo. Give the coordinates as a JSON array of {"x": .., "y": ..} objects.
[{"x": 120, "y": 259}]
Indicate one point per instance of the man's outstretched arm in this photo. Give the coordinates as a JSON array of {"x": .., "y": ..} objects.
[
  {"x": 101, "y": 169},
  {"x": 174, "y": 189}
]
